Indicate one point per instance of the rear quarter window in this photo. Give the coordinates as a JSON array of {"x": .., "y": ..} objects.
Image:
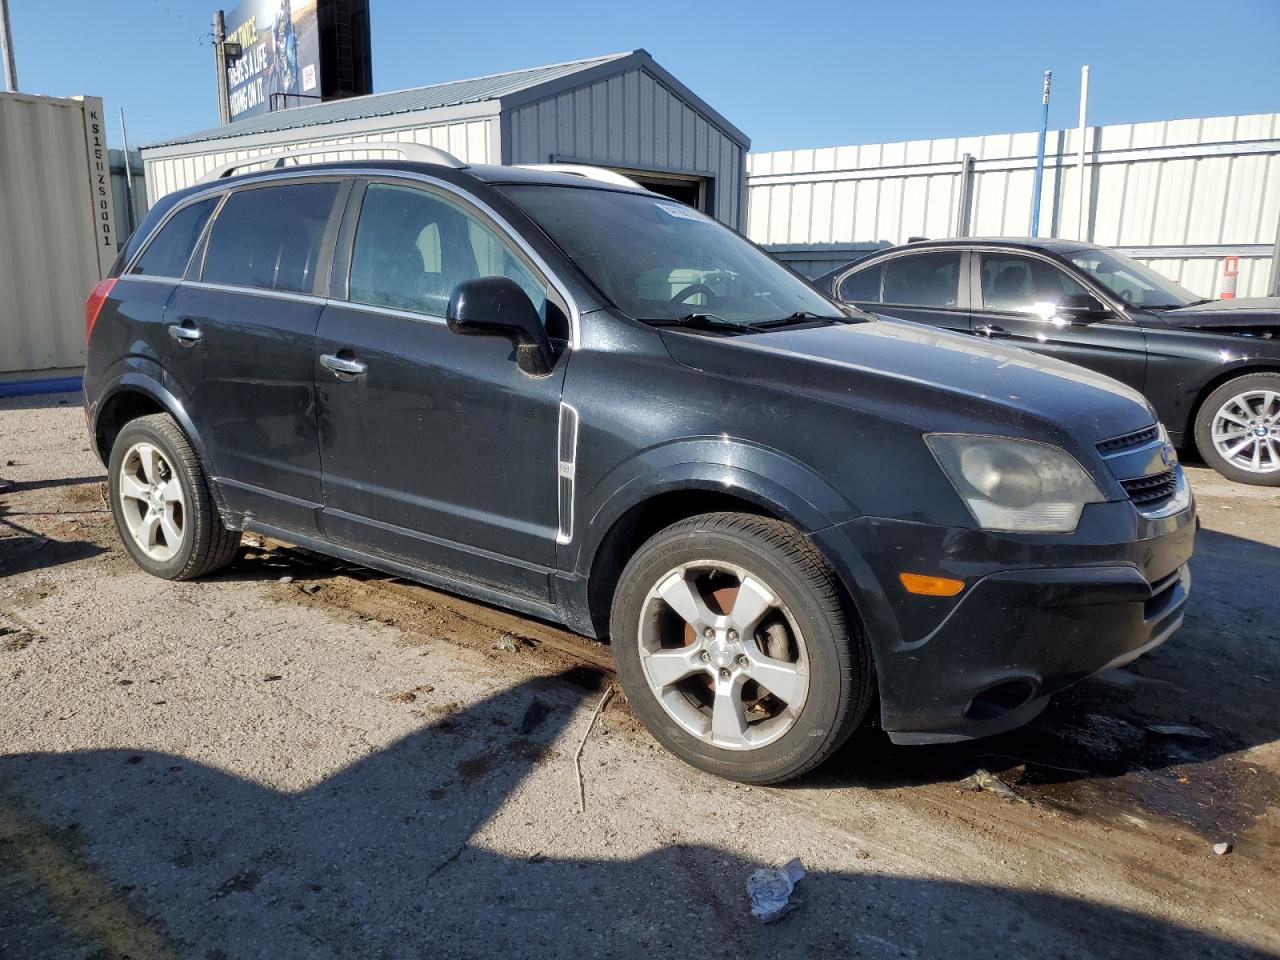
[
  {"x": 270, "y": 237},
  {"x": 167, "y": 255},
  {"x": 862, "y": 287}
]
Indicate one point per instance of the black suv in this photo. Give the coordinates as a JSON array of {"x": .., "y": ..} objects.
[
  {"x": 568, "y": 396},
  {"x": 1211, "y": 368}
]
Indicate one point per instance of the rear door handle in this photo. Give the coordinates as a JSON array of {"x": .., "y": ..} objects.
[
  {"x": 991, "y": 331},
  {"x": 186, "y": 333},
  {"x": 344, "y": 368}
]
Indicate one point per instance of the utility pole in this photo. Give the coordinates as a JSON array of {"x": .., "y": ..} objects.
[
  {"x": 220, "y": 63},
  {"x": 1044, "y": 131},
  {"x": 1082, "y": 195},
  {"x": 128, "y": 174},
  {"x": 6, "y": 49}
]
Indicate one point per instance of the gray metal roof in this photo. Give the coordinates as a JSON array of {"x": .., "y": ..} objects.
[{"x": 476, "y": 90}]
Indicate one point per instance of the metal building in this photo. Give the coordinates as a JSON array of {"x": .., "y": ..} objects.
[
  {"x": 1180, "y": 195},
  {"x": 621, "y": 111}
]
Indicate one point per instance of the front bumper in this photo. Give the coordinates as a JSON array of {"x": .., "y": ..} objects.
[{"x": 1037, "y": 613}]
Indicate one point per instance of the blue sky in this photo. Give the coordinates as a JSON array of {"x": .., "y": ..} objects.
[{"x": 789, "y": 74}]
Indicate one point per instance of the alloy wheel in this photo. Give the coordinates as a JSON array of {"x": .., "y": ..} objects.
[
  {"x": 1246, "y": 431},
  {"x": 723, "y": 655},
  {"x": 151, "y": 502}
]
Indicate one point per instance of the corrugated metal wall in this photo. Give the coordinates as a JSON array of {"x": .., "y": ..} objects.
[
  {"x": 169, "y": 169},
  {"x": 1178, "y": 194},
  {"x": 630, "y": 120},
  {"x": 49, "y": 232}
]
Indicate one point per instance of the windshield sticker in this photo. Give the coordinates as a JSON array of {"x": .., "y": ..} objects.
[{"x": 679, "y": 211}]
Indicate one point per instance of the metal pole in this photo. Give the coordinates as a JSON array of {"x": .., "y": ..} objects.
[
  {"x": 1275, "y": 266},
  {"x": 1044, "y": 132},
  {"x": 1082, "y": 197},
  {"x": 6, "y": 49},
  {"x": 965, "y": 201},
  {"x": 220, "y": 65},
  {"x": 128, "y": 173}
]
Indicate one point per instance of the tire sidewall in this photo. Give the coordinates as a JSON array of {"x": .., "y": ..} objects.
[
  {"x": 828, "y": 671},
  {"x": 1204, "y": 428},
  {"x": 135, "y": 432}
]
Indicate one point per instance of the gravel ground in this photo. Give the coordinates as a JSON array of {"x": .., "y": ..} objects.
[{"x": 240, "y": 768}]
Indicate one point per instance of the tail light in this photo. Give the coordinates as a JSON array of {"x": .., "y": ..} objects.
[{"x": 92, "y": 306}]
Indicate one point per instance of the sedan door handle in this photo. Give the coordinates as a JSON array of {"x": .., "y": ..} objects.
[
  {"x": 991, "y": 331},
  {"x": 344, "y": 368},
  {"x": 186, "y": 333}
]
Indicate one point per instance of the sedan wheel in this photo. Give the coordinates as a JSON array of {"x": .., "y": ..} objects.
[
  {"x": 1238, "y": 429},
  {"x": 151, "y": 502}
]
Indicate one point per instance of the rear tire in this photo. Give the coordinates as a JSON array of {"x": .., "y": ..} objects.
[
  {"x": 1238, "y": 429},
  {"x": 736, "y": 649},
  {"x": 162, "y": 505}
]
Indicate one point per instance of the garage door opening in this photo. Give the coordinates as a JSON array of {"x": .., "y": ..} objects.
[{"x": 687, "y": 188}]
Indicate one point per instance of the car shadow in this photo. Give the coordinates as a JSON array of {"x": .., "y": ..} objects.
[{"x": 113, "y": 853}]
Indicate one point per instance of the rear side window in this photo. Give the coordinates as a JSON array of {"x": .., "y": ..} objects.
[
  {"x": 412, "y": 248},
  {"x": 862, "y": 287},
  {"x": 270, "y": 237},
  {"x": 168, "y": 253},
  {"x": 923, "y": 280}
]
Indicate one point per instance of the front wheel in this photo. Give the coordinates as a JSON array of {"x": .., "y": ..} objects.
[
  {"x": 735, "y": 647},
  {"x": 1238, "y": 429}
]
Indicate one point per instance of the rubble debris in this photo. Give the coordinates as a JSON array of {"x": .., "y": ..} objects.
[
  {"x": 311, "y": 588},
  {"x": 1178, "y": 730},
  {"x": 770, "y": 891},
  {"x": 505, "y": 644},
  {"x": 982, "y": 779},
  {"x": 533, "y": 715},
  {"x": 1222, "y": 849},
  {"x": 285, "y": 580}
]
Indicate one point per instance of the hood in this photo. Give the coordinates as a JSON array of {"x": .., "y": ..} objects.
[
  {"x": 1255, "y": 316},
  {"x": 917, "y": 373}
]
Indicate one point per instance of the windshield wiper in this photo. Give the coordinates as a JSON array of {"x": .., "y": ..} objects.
[
  {"x": 800, "y": 316},
  {"x": 699, "y": 321}
]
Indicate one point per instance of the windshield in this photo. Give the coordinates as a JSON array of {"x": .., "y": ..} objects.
[
  {"x": 1137, "y": 285},
  {"x": 660, "y": 260}
]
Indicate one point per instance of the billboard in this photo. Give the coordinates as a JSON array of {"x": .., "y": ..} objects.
[{"x": 279, "y": 65}]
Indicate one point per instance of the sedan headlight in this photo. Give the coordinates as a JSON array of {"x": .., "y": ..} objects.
[{"x": 1015, "y": 486}]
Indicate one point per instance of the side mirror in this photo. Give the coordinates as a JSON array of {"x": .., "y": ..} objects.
[
  {"x": 1081, "y": 307},
  {"x": 497, "y": 306}
]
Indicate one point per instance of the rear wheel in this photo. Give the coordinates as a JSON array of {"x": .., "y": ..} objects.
[
  {"x": 161, "y": 503},
  {"x": 735, "y": 648},
  {"x": 1238, "y": 429}
]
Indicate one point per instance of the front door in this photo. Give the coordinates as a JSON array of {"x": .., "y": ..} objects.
[
  {"x": 437, "y": 450},
  {"x": 252, "y": 317},
  {"x": 1016, "y": 304}
]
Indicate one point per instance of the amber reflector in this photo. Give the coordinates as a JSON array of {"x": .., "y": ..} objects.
[{"x": 930, "y": 586}]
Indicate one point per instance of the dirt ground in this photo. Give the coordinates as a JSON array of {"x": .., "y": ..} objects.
[{"x": 347, "y": 766}]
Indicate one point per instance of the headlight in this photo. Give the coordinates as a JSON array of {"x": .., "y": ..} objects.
[{"x": 1015, "y": 486}]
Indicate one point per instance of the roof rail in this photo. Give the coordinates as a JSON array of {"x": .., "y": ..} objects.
[
  {"x": 583, "y": 170},
  {"x": 415, "y": 152}
]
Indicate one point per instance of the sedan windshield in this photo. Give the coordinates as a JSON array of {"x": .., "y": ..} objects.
[
  {"x": 1137, "y": 285},
  {"x": 660, "y": 261}
]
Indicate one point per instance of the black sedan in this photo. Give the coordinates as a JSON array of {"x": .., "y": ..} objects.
[{"x": 1211, "y": 368}]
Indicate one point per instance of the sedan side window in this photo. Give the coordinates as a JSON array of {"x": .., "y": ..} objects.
[
  {"x": 924, "y": 280},
  {"x": 1018, "y": 284},
  {"x": 413, "y": 247},
  {"x": 862, "y": 286}
]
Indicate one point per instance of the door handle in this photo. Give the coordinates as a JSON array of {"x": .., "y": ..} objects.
[
  {"x": 344, "y": 368},
  {"x": 186, "y": 333},
  {"x": 991, "y": 332}
]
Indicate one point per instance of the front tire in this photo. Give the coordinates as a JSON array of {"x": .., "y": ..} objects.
[
  {"x": 736, "y": 649},
  {"x": 1238, "y": 429},
  {"x": 161, "y": 503}
]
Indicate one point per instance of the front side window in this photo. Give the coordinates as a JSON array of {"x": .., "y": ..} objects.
[
  {"x": 270, "y": 237},
  {"x": 659, "y": 260},
  {"x": 1013, "y": 283},
  {"x": 168, "y": 253},
  {"x": 923, "y": 279},
  {"x": 413, "y": 247},
  {"x": 1131, "y": 281},
  {"x": 863, "y": 286}
]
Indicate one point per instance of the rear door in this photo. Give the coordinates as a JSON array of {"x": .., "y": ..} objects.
[
  {"x": 437, "y": 450},
  {"x": 250, "y": 316},
  {"x": 1016, "y": 295},
  {"x": 925, "y": 287}
]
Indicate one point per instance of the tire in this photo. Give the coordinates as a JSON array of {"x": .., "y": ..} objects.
[
  {"x": 806, "y": 637},
  {"x": 139, "y": 481},
  {"x": 1259, "y": 394}
]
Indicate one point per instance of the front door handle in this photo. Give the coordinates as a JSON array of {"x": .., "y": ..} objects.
[
  {"x": 991, "y": 332},
  {"x": 186, "y": 333},
  {"x": 346, "y": 369}
]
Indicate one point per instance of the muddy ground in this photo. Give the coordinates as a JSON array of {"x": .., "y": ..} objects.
[{"x": 239, "y": 767}]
